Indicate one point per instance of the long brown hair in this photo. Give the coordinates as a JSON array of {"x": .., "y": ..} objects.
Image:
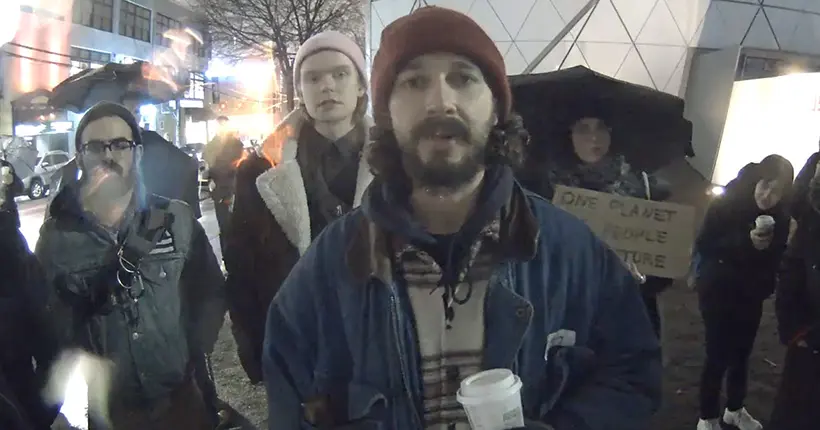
[{"x": 772, "y": 167}]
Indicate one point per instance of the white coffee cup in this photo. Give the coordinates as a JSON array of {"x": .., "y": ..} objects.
[
  {"x": 6, "y": 176},
  {"x": 764, "y": 222},
  {"x": 492, "y": 400}
]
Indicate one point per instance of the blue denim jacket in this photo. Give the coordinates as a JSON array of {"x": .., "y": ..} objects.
[{"x": 566, "y": 316}]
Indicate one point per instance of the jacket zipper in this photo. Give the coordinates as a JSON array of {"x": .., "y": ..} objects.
[{"x": 402, "y": 362}]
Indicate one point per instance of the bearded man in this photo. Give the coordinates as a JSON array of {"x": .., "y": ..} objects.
[
  {"x": 131, "y": 278},
  {"x": 450, "y": 268}
]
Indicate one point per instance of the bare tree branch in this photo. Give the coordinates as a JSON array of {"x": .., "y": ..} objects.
[{"x": 275, "y": 28}]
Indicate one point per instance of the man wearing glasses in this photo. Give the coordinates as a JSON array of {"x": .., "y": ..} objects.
[
  {"x": 167, "y": 170},
  {"x": 133, "y": 279}
]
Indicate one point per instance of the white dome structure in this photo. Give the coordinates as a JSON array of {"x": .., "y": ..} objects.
[{"x": 641, "y": 41}]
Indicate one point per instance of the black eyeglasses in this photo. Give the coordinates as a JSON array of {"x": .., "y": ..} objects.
[{"x": 99, "y": 147}]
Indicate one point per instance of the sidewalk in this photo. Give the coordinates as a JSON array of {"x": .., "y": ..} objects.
[{"x": 208, "y": 222}]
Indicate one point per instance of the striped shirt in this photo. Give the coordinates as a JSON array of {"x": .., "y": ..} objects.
[{"x": 448, "y": 354}]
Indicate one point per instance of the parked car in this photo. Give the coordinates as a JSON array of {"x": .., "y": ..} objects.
[
  {"x": 42, "y": 176},
  {"x": 195, "y": 150}
]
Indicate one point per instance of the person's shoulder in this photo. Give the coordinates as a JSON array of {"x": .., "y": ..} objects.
[
  {"x": 564, "y": 236},
  {"x": 328, "y": 253},
  {"x": 253, "y": 165},
  {"x": 338, "y": 234},
  {"x": 178, "y": 208},
  {"x": 322, "y": 272},
  {"x": 554, "y": 222}
]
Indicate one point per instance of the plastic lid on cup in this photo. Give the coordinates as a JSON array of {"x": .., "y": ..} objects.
[{"x": 487, "y": 383}]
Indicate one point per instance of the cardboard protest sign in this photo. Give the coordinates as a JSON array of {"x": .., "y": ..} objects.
[{"x": 656, "y": 236}]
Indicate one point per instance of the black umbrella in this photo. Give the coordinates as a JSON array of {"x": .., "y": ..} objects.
[
  {"x": 648, "y": 126},
  {"x": 114, "y": 82}
]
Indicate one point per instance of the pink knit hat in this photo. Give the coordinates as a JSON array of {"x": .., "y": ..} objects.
[{"x": 329, "y": 40}]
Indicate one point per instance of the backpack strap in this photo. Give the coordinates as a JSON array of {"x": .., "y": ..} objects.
[{"x": 140, "y": 241}]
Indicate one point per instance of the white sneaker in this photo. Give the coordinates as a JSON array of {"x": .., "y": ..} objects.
[
  {"x": 709, "y": 424},
  {"x": 742, "y": 420}
]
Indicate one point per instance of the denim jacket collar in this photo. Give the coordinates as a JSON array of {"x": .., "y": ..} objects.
[{"x": 367, "y": 257}]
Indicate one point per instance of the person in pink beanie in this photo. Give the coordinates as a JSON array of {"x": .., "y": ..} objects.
[{"x": 308, "y": 173}]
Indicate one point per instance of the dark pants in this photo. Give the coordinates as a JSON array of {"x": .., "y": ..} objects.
[
  {"x": 650, "y": 300},
  {"x": 796, "y": 406},
  {"x": 249, "y": 350},
  {"x": 730, "y": 335},
  {"x": 222, "y": 209},
  {"x": 185, "y": 409}
]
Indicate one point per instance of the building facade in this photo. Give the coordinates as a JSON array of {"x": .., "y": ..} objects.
[
  {"x": 55, "y": 40},
  {"x": 669, "y": 45},
  {"x": 640, "y": 41}
]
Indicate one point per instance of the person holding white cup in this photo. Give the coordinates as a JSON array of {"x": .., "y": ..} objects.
[
  {"x": 454, "y": 299},
  {"x": 740, "y": 246}
]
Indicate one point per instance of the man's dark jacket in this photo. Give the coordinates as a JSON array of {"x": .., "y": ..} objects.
[
  {"x": 271, "y": 226},
  {"x": 258, "y": 258},
  {"x": 24, "y": 335},
  {"x": 798, "y": 317},
  {"x": 562, "y": 312},
  {"x": 179, "y": 313},
  {"x": 800, "y": 204}
]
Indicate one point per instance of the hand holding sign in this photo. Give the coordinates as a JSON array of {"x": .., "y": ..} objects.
[
  {"x": 655, "y": 237},
  {"x": 633, "y": 269}
]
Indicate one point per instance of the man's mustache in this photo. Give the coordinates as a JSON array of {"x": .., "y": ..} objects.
[
  {"x": 441, "y": 126},
  {"x": 112, "y": 167}
]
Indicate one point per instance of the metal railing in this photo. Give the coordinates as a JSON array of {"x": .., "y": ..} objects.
[{"x": 587, "y": 9}]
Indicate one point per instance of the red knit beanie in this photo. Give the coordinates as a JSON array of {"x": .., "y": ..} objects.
[{"x": 429, "y": 30}]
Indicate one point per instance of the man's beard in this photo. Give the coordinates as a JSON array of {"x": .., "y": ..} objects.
[
  {"x": 107, "y": 181},
  {"x": 438, "y": 172}
]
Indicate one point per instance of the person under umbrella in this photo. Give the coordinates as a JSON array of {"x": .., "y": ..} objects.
[
  {"x": 169, "y": 172},
  {"x": 739, "y": 247},
  {"x": 591, "y": 160},
  {"x": 650, "y": 126}
]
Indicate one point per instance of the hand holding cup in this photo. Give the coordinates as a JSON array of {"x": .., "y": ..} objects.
[
  {"x": 763, "y": 232},
  {"x": 492, "y": 400}
]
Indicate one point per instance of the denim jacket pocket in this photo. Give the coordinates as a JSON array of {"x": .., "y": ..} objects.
[
  {"x": 366, "y": 409},
  {"x": 366, "y": 404},
  {"x": 567, "y": 366}
]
